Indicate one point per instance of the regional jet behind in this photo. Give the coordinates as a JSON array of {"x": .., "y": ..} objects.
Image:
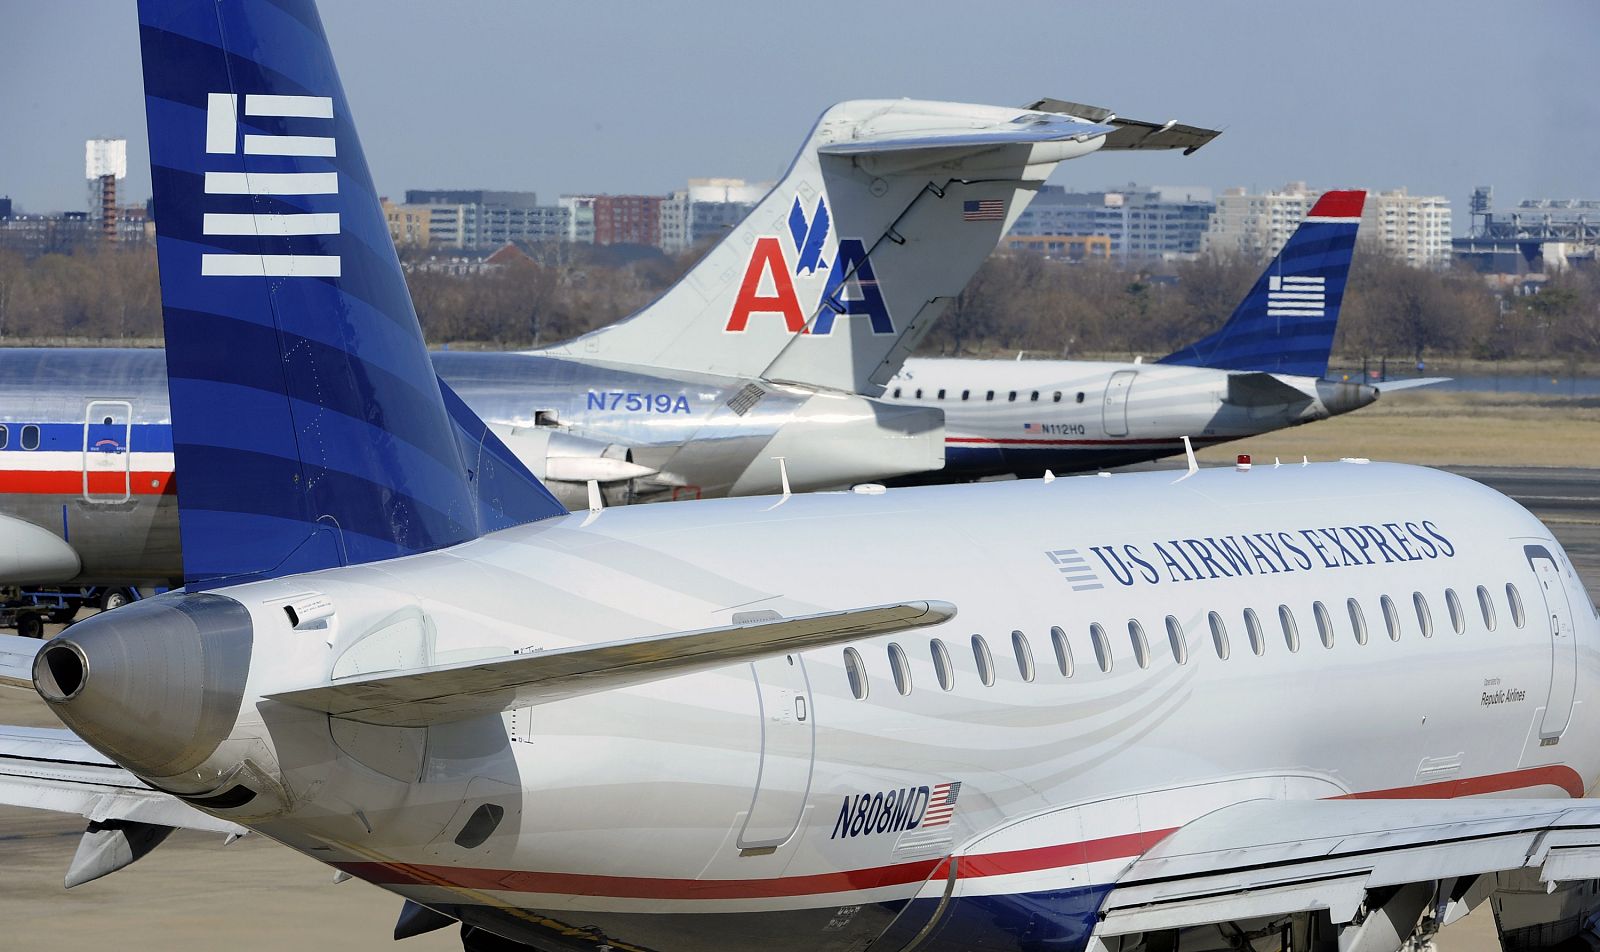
[
  {"x": 1333, "y": 705},
  {"x": 768, "y": 347},
  {"x": 1263, "y": 370}
]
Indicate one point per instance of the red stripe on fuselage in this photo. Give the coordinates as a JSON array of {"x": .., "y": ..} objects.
[
  {"x": 70, "y": 483},
  {"x": 1124, "y": 846},
  {"x": 1008, "y": 441},
  {"x": 1555, "y": 775}
]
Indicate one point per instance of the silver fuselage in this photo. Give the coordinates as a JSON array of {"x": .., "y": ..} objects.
[
  {"x": 87, "y": 446},
  {"x": 1024, "y": 417}
]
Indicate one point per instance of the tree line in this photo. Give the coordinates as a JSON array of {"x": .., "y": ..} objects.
[{"x": 1015, "y": 302}]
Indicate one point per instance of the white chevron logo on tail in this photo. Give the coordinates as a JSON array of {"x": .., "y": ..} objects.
[
  {"x": 222, "y": 137},
  {"x": 1296, "y": 297}
]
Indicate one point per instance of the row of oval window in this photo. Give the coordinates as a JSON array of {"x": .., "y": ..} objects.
[
  {"x": 30, "y": 436},
  {"x": 1011, "y": 398},
  {"x": 944, "y": 670}
]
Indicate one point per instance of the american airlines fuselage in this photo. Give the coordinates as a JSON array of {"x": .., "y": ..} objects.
[
  {"x": 86, "y": 444},
  {"x": 1026, "y": 416},
  {"x": 1338, "y": 630}
]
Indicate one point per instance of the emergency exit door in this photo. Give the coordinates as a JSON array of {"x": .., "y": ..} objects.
[
  {"x": 1563, "y": 643},
  {"x": 1115, "y": 415},
  {"x": 107, "y": 460},
  {"x": 787, "y": 746}
]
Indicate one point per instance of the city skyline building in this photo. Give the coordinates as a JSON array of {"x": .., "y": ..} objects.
[
  {"x": 707, "y": 208},
  {"x": 1415, "y": 229},
  {"x": 1142, "y": 223}
]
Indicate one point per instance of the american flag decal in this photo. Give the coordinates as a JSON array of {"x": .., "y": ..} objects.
[
  {"x": 1296, "y": 297},
  {"x": 941, "y": 805},
  {"x": 1075, "y": 569},
  {"x": 984, "y": 209}
]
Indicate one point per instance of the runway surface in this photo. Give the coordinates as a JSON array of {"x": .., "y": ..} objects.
[{"x": 193, "y": 892}]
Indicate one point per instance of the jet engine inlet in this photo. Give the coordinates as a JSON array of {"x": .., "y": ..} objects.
[
  {"x": 60, "y": 676},
  {"x": 155, "y": 685}
]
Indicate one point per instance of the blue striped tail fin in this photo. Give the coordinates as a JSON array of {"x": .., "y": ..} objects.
[
  {"x": 309, "y": 427},
  {"x": 1287, "y": 321}
]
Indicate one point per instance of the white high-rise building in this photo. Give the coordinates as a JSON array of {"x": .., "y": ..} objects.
[
  {"x": 708, "y": 208},
  {"x": 1412, "y": 228}
]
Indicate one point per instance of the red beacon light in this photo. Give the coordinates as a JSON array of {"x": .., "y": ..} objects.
[{"x": 1242, "y": 464}]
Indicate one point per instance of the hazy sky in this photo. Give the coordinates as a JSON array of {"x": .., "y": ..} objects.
[{"x": 1431, "y": 95}]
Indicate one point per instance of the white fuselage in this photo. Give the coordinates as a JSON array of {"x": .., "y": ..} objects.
[
  {"x": 770, "y": 802},
  {"x": 1025, "y": 416}
]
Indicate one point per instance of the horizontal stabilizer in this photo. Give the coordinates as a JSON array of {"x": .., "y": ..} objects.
[
  {"x": 1024, "y": 130},
  {"x": 473, "y": 689},
  {"x": 1262, "y": 390},
  {"x": 1264, "y": 858},
  {"x": 1389, "y": 386},
  {"x": 1134, "y": 133}
]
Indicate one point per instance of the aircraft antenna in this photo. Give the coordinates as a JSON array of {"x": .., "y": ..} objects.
[
  {"x": 595, "y": 502},
  {"x": 1194, "y": 465},
  {"x": 783, "y": 474},
  {"x": 1049, "y": 476}
]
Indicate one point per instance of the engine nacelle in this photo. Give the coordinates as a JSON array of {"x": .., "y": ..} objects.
[
  {"x": 834, "y": 440},
  {"x": 567, "y": 463}
]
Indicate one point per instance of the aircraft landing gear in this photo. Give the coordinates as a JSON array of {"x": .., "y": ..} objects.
[{"x": 30, "y": 625}]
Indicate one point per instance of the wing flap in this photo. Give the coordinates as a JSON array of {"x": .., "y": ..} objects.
[
  {"x": 473, "y": 689},
  {"x": 1267, "y": 858}
]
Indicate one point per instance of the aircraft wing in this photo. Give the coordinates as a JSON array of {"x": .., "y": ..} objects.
[
  {"x": 1265, "y": 858},
  {"x": 52, "y": 769},
  {"x": 472, "y": 689},
  {"x": 1133, "y": 133},
  {"x": 16, "y": 660}
]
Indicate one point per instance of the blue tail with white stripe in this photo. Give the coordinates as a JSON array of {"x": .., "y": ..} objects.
[
  {"x": 309, "y": 428},
  {"x": 1287, "y": 321}
]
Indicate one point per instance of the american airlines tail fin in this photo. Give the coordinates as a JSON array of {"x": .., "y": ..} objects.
[
  {"x": 1287, "y": 321},
  {"x": 308, "y": 424},
  {"x": 885, "y": 214}
]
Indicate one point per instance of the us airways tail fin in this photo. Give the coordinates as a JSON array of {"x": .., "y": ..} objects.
[
  {"x": 886, "y": 213},
  {"x": 308, "y": 424},
  {"x": 1287, "y": 321}
]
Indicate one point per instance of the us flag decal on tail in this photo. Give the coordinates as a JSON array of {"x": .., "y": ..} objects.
[
  {"x": 984, "y": 209},
  {"x": 1296, "y": 297}
]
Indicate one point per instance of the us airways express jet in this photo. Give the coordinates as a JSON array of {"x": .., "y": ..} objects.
[
  {"x": 1279, "y": 709},
  {"x": 1263, "y": 370},
  {"x": 764, "y": 349}
]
